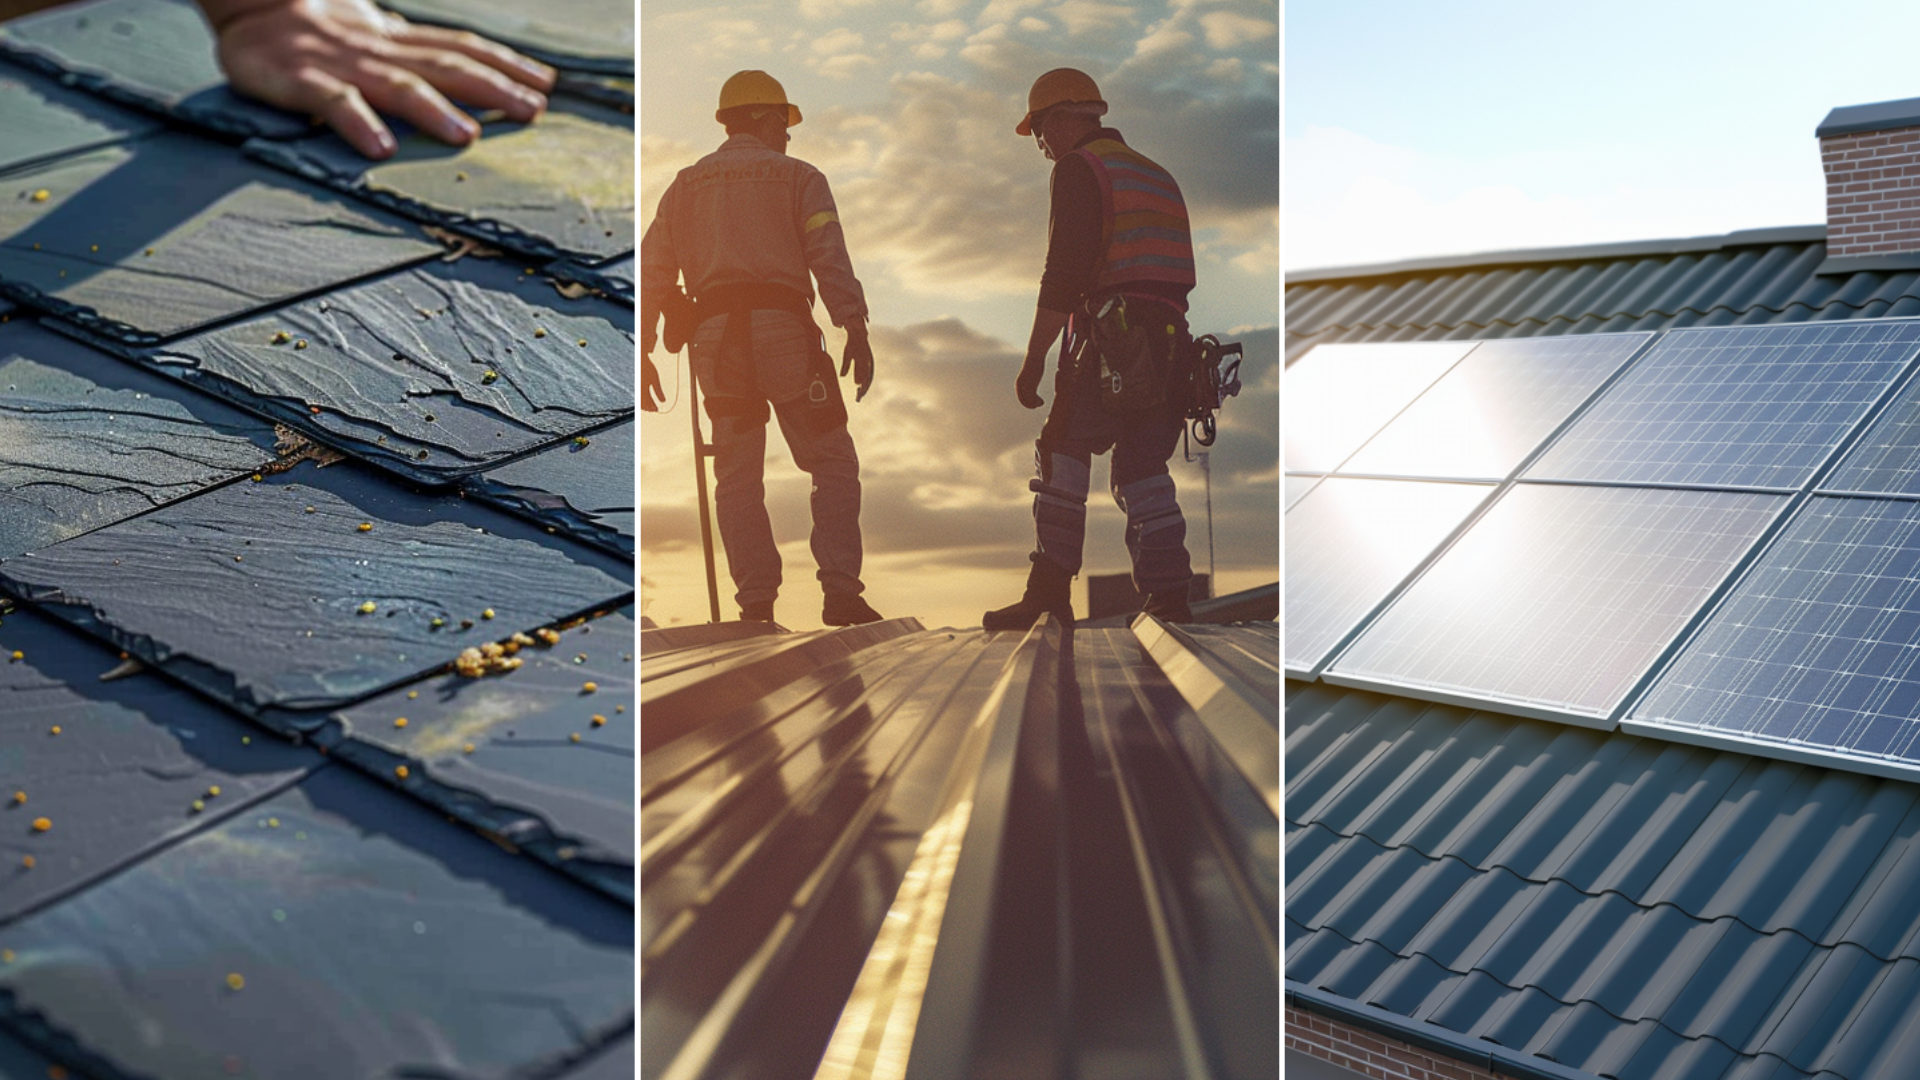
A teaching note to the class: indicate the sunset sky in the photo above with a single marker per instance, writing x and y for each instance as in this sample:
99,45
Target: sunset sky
909,109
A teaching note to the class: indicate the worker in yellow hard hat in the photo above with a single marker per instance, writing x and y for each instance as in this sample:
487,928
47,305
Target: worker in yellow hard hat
1119,268
750,230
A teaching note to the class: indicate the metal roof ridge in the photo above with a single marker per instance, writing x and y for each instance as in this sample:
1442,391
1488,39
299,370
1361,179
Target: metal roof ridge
1786,234
1674,314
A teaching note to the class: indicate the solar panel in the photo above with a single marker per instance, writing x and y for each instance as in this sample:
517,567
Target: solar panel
1887,458
1349,543
1337,396
1818,646
1297,488
1559,599
1483,418
1760,406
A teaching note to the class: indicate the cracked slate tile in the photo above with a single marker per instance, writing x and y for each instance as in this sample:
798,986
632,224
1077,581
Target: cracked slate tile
271,595
332,930
159,236
151,54
613,277
574,35
87,440
562,185
525,741
585,490
120,778
41,119
397,369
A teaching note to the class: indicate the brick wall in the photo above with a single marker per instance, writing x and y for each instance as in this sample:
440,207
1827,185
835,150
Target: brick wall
1873,192
1369,1054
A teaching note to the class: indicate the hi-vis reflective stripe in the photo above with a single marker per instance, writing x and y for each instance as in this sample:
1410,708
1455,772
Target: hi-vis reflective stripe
1148,234
821,220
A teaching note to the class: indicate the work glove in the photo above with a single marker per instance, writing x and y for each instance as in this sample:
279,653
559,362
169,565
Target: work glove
858,358
652,396
1027,385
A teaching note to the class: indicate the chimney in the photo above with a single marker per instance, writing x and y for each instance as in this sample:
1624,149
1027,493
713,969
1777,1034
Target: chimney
1871,155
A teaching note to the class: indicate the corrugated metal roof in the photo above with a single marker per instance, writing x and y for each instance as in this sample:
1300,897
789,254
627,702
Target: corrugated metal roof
894,851
1626,906
1595,291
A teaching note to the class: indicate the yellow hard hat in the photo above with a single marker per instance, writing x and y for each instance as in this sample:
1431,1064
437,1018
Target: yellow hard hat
1057,87
755,88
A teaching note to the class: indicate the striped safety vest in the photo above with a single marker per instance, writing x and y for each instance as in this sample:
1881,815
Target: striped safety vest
1144,218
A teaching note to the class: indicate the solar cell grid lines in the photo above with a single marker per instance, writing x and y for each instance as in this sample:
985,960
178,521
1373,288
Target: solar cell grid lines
1484,417
1819,645
1559,599
1760,407
1349,543
1887,458
1337,396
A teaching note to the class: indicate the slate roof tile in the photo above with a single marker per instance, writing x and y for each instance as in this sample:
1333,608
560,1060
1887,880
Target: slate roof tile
40,119
576,35
585,490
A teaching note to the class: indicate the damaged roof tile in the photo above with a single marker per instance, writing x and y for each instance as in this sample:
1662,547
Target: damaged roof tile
585,490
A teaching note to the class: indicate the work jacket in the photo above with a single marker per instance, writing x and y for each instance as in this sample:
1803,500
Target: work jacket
748,215
1118,224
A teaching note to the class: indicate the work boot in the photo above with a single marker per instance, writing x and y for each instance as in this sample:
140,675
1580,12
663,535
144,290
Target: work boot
847,609
1169,607
761,611
1049,590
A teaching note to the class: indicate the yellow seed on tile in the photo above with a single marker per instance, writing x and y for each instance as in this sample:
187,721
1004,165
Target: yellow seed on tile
460,177
42,196
309,509
487,614
619,708
400,721
96,247
18,656
575,736
246,740
237,558
55,729
581,440
598,720
412,694
488,378
257,478
19,798
538,331
149,251
367,608
467,749
41,824
301,344
400,771
365,526
281,337
198,806
213,792
437,622
589,687
273,823
235,981
26,861
583,343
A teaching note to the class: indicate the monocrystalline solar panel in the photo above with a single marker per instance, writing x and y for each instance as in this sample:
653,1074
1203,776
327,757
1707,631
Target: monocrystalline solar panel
1887,458
1759,406
1559,599
1349,543
1494,408
1337,396
1819,644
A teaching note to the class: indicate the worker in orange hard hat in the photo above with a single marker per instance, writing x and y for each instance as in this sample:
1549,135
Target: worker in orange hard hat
751,230
1119,268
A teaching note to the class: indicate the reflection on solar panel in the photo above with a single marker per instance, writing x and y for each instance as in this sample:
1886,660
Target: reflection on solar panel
1337,396
1350,543
1483,418
1298,486
1819,645
1559,599
1887,458
1737,406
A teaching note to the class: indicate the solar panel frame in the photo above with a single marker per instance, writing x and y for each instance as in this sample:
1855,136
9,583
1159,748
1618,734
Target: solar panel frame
1327,376
1863,383
1297,488
1356,597
1776,568
1558,376
1763,513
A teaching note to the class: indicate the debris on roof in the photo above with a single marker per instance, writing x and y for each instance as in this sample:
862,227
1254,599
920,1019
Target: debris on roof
982,853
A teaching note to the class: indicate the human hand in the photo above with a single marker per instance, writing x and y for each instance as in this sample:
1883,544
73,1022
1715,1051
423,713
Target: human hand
652,396
858,358
341,60
1026,386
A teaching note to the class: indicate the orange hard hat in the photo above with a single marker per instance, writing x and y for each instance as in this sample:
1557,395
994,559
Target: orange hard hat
1058,87
755,88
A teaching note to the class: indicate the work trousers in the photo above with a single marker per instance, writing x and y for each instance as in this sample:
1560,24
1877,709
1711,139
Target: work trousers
1080,426
739,387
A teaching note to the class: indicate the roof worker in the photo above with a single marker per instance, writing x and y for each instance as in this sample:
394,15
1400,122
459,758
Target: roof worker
347,61
746,226
1119,242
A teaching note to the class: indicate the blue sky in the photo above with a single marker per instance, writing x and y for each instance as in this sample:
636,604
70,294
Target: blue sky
1423,129
909,110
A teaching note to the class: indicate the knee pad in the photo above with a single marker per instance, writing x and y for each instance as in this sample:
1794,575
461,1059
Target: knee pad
1150,504
1060,476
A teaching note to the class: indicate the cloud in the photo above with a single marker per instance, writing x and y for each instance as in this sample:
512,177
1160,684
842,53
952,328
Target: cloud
835,42
1035,26
827,9
999,11
1230,29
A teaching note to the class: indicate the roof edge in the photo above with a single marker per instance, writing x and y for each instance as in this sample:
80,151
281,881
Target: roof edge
1878,116
1787,234
1489,1055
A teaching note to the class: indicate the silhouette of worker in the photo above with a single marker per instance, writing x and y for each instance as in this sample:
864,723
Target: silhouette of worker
1119,267
347,62
746,226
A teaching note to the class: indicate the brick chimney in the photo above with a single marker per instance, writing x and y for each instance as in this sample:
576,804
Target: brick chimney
1871,155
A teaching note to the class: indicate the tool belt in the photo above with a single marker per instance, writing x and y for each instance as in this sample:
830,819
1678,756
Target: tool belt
1130,351
825,407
